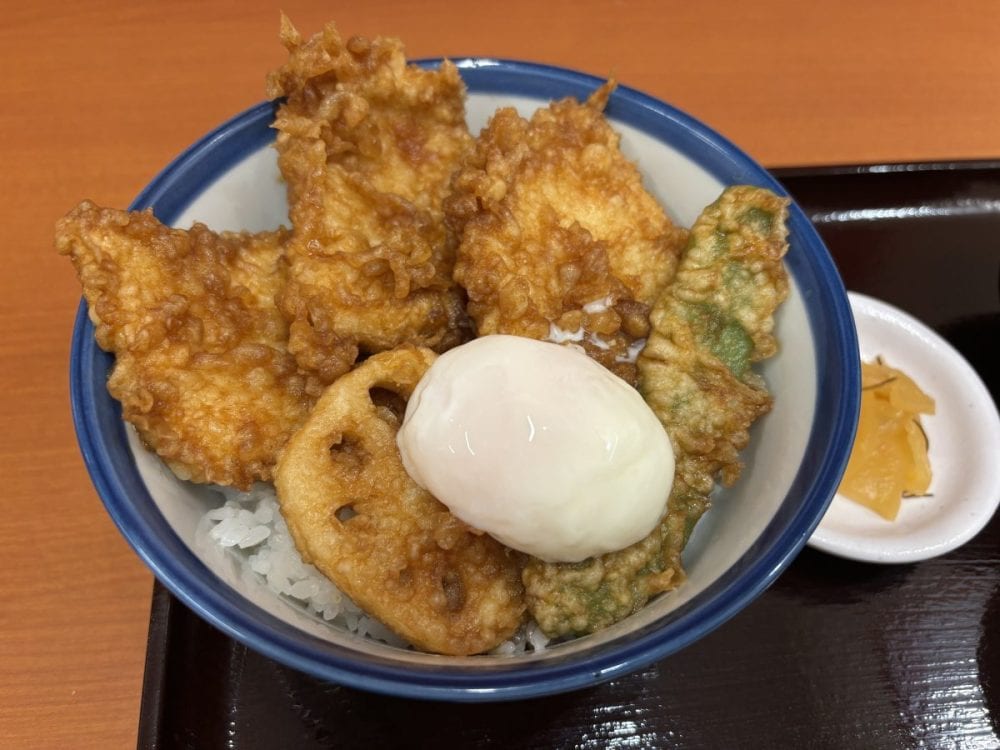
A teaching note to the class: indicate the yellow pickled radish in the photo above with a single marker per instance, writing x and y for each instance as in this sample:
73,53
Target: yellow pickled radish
889,459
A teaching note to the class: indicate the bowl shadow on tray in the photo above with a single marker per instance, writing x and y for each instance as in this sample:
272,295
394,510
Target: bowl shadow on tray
820,578
331,712
271,705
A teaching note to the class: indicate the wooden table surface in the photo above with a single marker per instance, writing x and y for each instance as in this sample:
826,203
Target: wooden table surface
98,96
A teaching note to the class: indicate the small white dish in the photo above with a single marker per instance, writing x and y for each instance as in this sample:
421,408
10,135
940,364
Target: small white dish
964,438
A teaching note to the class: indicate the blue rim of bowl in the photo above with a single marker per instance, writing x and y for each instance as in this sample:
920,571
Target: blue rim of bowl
103,444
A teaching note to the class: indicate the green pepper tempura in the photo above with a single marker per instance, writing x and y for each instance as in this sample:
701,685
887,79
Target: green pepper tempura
707,327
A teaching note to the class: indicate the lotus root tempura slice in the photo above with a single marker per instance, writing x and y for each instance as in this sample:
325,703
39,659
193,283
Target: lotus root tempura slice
387,543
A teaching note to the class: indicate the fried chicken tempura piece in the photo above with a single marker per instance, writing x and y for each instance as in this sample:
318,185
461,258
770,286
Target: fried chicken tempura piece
367,146
201,366
711,323
387,543
559,239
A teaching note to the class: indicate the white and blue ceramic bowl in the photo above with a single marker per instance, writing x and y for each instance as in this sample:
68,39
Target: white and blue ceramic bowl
229,180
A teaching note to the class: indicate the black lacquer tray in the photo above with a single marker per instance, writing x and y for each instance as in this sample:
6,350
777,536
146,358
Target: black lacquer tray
836,654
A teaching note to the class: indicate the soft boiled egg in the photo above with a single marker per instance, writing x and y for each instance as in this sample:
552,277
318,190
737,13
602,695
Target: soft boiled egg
539,446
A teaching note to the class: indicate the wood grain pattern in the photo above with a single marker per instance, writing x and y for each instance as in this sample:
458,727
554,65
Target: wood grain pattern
98,96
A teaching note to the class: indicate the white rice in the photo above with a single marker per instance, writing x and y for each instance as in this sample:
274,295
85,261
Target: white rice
249,530
597,306
559,335
634,350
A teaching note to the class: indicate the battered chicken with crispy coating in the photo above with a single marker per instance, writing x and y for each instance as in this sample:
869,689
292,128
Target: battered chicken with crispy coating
367,145
558,238
711,323
201,367
356,515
